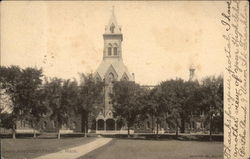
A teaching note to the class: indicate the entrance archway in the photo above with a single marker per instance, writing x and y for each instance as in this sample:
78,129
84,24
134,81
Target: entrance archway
110,124
100,124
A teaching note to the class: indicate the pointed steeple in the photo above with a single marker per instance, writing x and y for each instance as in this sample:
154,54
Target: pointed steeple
112,39
112,27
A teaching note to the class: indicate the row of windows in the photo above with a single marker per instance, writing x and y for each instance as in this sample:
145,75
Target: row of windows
115,52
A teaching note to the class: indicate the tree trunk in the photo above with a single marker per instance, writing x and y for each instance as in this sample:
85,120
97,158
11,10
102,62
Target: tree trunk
182,125
152,124
85,129
128,131
82,122
157,128
35,126
59,134
34,130
13,132
210,129
176,131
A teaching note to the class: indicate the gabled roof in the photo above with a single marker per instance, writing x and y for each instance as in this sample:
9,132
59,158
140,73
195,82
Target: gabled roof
100,116
97,76
112,70
117,65
124,76
109,115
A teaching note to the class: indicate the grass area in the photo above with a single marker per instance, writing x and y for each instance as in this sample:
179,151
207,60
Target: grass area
30,148
157,149
172,136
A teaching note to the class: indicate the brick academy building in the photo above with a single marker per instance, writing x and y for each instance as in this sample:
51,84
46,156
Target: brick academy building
112,68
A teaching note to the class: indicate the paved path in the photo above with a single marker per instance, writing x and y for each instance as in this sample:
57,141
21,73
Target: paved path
75,152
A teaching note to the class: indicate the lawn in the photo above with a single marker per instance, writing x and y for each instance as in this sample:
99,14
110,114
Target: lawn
30,148
153,149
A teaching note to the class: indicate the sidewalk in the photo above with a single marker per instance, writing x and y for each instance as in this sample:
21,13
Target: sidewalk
78,151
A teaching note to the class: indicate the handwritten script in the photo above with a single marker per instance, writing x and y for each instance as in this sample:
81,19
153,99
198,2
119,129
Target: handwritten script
234,20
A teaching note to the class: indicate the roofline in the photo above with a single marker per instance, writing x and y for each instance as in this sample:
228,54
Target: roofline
113,35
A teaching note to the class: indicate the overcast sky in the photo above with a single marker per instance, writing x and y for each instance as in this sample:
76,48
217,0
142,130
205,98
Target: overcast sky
160,39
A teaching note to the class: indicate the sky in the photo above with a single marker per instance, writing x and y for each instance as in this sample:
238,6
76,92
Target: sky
161,40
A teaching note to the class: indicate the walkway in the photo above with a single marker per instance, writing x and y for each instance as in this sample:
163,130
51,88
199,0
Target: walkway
75,152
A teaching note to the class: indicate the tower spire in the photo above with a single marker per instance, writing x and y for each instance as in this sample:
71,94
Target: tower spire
112,38
192,75
112,26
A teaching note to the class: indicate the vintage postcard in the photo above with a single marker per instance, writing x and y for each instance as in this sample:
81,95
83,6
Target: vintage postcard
124,79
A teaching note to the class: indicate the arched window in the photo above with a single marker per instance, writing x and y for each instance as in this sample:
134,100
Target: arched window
115,50
111,77
109,50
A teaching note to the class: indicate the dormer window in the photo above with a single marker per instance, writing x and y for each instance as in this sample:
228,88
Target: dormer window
112,28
